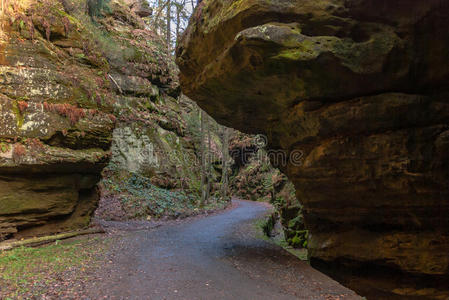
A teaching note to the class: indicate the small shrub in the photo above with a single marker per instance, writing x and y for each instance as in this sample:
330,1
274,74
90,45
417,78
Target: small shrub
35,144
299,240
4,147
23,105
73,113
18,152
113,118
268,226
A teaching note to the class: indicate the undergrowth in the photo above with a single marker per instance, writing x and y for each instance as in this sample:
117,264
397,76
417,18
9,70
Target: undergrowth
141,199
27,273
267,225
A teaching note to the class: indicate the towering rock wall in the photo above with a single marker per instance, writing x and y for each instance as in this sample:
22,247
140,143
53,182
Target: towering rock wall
65,66
360,88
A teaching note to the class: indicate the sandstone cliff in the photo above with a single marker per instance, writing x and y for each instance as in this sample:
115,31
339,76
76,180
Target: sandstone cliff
64,68
360,88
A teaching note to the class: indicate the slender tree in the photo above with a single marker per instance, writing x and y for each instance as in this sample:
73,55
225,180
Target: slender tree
209,158
224,166
179,9
169,19
157,16
168,26
203,159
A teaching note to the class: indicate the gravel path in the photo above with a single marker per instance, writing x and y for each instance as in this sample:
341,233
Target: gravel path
214,257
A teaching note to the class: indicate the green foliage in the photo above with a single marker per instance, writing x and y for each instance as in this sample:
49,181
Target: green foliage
265,167
296,242
140,198
269,224
4,147
156,201
268,182
299,240
300,252
279,201
296,222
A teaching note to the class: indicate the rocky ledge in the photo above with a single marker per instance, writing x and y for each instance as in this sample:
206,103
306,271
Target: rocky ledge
360,88
64,66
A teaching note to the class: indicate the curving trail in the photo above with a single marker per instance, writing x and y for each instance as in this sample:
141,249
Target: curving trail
215,257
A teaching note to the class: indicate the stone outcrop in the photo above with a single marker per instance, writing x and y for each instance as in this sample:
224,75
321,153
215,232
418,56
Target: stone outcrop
254,178
141,8
62,73
359,89
159,140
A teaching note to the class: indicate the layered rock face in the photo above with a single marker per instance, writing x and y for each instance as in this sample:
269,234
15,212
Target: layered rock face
156,140
61,76
359,88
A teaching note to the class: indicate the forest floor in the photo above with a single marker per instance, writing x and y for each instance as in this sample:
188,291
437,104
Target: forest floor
215,256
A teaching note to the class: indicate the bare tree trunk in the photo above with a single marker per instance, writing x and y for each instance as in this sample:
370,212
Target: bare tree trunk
157,23
203,160
35,241
3,13
224,170
168,26
157,15
178,21
209,159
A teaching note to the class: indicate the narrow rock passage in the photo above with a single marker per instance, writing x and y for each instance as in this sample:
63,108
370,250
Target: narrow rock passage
216,257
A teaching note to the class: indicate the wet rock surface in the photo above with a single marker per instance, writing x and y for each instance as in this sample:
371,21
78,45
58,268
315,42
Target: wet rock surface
360,89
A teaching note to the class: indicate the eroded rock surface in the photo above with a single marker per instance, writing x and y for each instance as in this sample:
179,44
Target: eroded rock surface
360,87
64,65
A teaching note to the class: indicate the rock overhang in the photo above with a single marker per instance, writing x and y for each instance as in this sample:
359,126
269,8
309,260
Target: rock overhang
361,88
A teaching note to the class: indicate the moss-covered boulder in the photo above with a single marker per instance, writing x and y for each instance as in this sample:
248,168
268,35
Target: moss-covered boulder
358,91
